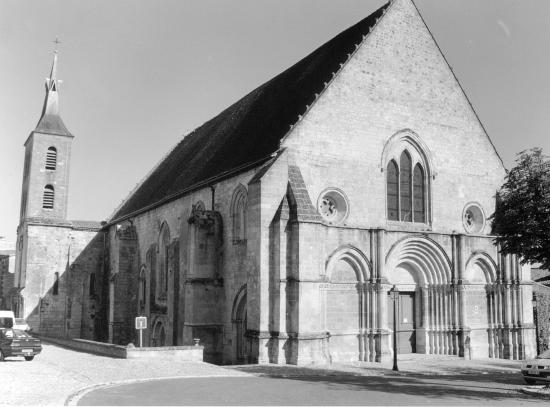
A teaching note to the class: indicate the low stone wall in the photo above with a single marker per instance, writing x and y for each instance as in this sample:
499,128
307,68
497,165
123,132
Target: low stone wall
180,353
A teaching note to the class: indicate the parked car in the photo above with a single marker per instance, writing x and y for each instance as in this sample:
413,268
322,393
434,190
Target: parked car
20,324
538,369
7,319
15,342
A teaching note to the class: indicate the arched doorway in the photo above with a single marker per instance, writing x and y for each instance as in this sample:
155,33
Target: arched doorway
426,308
345,303
239,327
483,304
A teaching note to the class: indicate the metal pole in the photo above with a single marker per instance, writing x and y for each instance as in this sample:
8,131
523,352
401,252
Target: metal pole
394,336
140,338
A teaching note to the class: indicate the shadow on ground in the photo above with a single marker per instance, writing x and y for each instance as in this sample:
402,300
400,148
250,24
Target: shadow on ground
463,383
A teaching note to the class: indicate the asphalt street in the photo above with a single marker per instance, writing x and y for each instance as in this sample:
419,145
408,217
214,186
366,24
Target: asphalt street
344,389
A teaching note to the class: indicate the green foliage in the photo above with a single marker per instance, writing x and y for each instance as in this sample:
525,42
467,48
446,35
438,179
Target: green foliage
522,215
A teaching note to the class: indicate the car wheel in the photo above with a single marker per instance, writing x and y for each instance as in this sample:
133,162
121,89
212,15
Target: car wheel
29,358
529,381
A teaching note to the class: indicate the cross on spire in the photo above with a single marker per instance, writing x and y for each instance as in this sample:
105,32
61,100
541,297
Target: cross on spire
57,42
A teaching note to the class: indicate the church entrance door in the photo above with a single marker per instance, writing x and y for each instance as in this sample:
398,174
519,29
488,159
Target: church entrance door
406,324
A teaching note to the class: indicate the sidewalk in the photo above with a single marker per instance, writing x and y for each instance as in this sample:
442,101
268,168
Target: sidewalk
57,373
409,364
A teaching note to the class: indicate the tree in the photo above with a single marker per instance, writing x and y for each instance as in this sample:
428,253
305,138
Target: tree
521,221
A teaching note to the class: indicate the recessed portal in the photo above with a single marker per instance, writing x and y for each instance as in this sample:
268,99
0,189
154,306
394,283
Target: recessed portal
406,322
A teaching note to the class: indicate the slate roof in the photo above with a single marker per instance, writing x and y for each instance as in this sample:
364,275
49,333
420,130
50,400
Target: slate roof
250,130
52,124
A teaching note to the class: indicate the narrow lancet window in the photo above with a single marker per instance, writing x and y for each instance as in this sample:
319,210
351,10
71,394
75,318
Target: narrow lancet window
419,201
393,191
405,192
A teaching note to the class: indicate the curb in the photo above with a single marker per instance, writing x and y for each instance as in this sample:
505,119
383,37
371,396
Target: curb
74,398
541,391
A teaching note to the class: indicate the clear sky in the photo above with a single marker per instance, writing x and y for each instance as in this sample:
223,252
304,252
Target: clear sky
139,74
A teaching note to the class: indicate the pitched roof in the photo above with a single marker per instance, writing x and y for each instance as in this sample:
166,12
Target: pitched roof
250,130
52,124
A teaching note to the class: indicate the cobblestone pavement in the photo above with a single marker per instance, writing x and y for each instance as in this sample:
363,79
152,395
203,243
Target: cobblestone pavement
57,373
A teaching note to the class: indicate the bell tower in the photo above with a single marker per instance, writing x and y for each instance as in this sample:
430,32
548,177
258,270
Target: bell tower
47,156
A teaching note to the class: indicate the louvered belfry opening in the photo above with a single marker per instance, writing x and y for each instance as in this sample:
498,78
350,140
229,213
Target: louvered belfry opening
47,201
51,158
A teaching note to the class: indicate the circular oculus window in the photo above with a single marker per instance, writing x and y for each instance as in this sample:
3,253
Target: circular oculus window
333,206
473,218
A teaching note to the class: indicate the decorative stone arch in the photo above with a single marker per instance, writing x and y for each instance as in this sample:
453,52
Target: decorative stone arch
345,311
407,143
355,258
485,263
238,213
239,321
403,139
426,257
421,270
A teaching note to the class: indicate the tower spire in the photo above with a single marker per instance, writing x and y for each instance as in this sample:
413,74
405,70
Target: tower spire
50,121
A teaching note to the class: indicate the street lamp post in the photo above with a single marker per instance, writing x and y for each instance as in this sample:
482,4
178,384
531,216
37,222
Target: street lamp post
394,295
536,318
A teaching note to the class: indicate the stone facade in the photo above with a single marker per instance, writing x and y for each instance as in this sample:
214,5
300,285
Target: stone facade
385,181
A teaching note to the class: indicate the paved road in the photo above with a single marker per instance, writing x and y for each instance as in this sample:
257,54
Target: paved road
57,373
341,389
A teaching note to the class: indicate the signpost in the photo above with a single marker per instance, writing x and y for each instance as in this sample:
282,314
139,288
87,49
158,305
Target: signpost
141,324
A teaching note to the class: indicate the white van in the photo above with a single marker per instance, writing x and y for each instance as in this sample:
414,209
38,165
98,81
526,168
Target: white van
7,319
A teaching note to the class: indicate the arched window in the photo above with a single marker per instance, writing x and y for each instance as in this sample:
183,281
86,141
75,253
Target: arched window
238,214
405,193
406,189
48,198
419,199
51,158
142,294
164,245
55,289
393,191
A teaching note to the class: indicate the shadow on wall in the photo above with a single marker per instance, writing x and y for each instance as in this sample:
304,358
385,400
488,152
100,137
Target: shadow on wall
76,305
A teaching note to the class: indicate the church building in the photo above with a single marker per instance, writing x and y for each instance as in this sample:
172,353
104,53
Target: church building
277,230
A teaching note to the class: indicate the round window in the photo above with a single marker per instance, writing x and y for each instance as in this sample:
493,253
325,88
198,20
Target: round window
473,218
333,206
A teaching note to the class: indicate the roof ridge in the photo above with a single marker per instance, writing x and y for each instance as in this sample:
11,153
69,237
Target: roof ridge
457,81
249,129
335,74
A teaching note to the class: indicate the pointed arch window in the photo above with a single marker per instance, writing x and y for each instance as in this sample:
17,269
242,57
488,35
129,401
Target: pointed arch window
393,191
405,193
164,265
419,196
48,197
238,214
51,158
406,189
